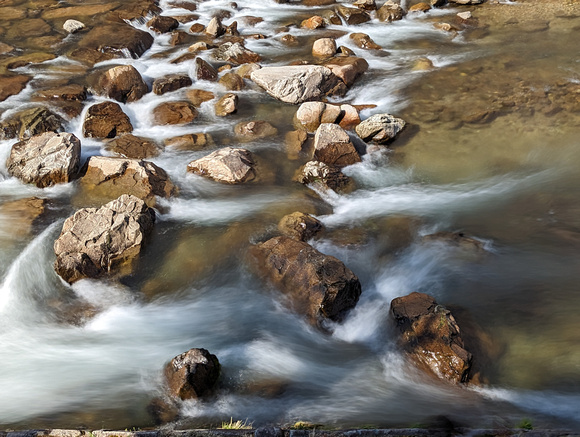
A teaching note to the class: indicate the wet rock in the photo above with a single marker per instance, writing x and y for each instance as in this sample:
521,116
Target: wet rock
196,141
317,285
289,40
197,97
332,146
227,105
353,15
96,242
130,146
318,2
295,141
456,239
162,411
12,85
106,120
246,70
171,82
364,41
423,64
254,130
27,59
232,82
420,7
31,122
215,29
297,83
46,159
161,24
314,22
76,93
390,11
31,27
136,10
324,47
192,374
196,28
73,26
199,46
431,337
174,113
5,49
350,117
108,178
11,13
299,226
179,37
348,69
367,5
466,2
205,71
311,114
227,165
235,53
322,175
380,128
22,214
122,83
89,10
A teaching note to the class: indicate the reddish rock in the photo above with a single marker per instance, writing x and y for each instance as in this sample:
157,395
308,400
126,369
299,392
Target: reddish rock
314,22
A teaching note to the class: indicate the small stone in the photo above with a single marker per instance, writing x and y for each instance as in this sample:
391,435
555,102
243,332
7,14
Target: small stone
464,15
228,165
380,128
324,47
227,105
235,53
73,26
196,28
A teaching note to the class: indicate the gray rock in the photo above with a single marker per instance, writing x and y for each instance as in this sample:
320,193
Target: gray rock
380,128
192,374
322,175
227,165
235,53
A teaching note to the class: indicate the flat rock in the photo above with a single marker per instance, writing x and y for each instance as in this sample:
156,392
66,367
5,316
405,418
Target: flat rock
12,85
97,242
179,112
196,141
228,165
197,96
235,53
130,146
192,374
171,82
162,24
21,215
380,128
106,120
299,226
332,146
73,92
46,159
122,83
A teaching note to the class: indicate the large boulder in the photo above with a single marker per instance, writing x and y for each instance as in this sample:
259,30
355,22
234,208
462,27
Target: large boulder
192,374
46,159
431,337
108,178
122,83
227,165
323,176
317,285
106,120
332,146
380,128
296,83
96,242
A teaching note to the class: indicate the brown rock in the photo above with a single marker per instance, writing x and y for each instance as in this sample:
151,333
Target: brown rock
6,48
350,117
420,7
179,37
324,47
353,15
215,29
367,5
77,93
199,46
190,142
390,11
299,226
227,105
232,82
332,146
348,69
227,165
174,113
311,114
235,53
295,141
12,85
21,215
171,82
106,120
192,374
456,239
31,122
289,40
364,41
130,146
253,130
27,59
322,175
314,22
29,27
245,71
77,11
122,83
197,97
161,24
196,28
205,71
136,10
317,285
431,337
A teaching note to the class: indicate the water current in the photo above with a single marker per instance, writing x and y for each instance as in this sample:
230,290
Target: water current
510,180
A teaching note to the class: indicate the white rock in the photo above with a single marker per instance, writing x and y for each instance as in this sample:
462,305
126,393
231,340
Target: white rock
73,26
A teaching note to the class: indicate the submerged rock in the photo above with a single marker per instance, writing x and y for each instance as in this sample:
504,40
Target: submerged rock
21,215
299,226
97,242
253,130
46,159
162,24
227,165
318,286
380,128
12,85
192,374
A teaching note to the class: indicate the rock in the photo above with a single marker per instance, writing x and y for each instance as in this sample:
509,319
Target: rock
130,146
199,46
235,53
311,114
296,83
314,22
227,105
299,226
122,83
380,128
420,7
466,2
29,27
178,112
106,120
331,17
179,37
5,49
205,71
350,117
46,159
96,242
295,141
367,5
232,82
253,130
423,64
322,175
245,71
227,165
190,141
108,178
76,93
324,47
317,285
12,85
364,41
390,11
196,28
456,239
136,10
332,146
431,337
161,24
21,215
31,122
197,97
289,40
215,28
353,15
464,15
348,69
171,82
192,374
73,26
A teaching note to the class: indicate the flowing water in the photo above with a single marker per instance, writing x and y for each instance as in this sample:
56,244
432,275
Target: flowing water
91,354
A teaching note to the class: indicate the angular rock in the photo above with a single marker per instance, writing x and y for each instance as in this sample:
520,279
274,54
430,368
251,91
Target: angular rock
12,85
348,69
227,165
192,374
232,82
390,11
161,24
296,83
380,128
190,141
95,242
235,53
353,15
197,97
322,175
253,130
106,120
367,5
205,71
109,177
46,159
122,83
324,47
431,337
364,41
299,226
171,82
332,146
227,105
174,113
31,122
215,28
130,146
350,117
314,22
179,37
73,26
318,286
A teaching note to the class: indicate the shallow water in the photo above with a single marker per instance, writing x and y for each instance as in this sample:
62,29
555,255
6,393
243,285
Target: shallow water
511,182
